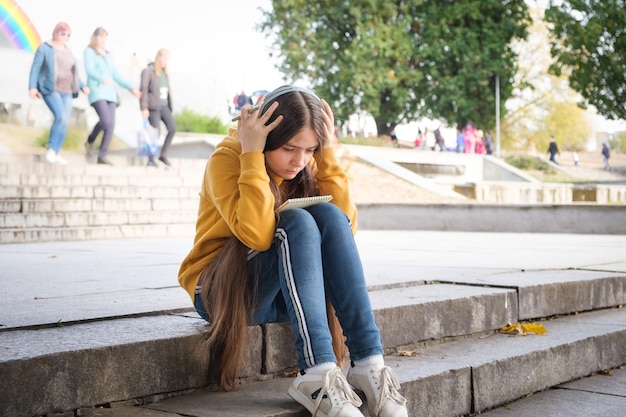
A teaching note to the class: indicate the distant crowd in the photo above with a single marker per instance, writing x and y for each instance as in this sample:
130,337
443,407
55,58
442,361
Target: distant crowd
468,140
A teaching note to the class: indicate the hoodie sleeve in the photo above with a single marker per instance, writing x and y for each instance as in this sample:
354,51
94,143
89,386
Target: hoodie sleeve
238,185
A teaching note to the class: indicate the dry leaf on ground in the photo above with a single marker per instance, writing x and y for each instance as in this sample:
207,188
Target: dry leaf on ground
522,329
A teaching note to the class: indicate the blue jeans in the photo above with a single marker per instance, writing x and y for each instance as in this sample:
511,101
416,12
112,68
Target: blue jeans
60,104
314,255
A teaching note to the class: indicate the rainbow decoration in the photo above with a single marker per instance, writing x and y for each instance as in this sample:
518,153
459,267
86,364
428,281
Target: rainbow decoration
17,27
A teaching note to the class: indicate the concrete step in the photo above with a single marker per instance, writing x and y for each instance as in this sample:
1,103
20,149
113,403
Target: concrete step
100,205
122,231
154,358
43,202
78,161
450,380
133,191
461,365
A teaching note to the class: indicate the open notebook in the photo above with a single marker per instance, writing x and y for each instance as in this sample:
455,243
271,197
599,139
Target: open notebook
304,202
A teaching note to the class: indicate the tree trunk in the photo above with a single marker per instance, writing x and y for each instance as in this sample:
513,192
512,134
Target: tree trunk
384,127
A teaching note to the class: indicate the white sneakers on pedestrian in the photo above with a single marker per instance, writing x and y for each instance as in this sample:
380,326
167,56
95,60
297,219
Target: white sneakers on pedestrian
381,390
53,158
326,395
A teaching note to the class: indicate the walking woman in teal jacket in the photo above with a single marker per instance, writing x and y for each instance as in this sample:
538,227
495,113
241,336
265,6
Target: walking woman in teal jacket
101,78
53,76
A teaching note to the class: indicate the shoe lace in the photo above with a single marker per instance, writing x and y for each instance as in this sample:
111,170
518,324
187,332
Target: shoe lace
389,386
336,387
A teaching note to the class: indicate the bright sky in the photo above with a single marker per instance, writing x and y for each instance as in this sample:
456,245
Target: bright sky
219,49
220,42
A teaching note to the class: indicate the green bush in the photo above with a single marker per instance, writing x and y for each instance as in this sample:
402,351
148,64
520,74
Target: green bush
190,121
529,163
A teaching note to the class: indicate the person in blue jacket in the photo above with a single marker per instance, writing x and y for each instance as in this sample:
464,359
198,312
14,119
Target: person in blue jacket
102,75
53,77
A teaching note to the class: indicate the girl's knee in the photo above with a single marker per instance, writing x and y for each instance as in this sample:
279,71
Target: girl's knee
296,216
327,213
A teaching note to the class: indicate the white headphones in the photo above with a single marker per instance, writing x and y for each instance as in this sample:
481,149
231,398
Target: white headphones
284,90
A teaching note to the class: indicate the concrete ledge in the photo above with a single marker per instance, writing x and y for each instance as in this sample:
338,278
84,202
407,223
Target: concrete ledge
399,314
504,368
82,365
419,313
599,395
566,218
551,293
55,234
457,378
67,368
70,367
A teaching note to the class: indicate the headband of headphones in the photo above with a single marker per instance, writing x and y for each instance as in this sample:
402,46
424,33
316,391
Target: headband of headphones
284,90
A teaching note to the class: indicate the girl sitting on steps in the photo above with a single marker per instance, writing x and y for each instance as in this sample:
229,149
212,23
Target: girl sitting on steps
251,264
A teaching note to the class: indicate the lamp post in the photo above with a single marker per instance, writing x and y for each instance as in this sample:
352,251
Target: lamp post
497,115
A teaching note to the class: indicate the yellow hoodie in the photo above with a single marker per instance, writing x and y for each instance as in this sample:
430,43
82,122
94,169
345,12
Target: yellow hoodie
235,199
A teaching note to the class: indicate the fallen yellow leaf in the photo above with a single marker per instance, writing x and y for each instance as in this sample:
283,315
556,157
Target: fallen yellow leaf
523,329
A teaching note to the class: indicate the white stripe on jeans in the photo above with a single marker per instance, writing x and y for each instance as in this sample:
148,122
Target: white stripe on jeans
295,299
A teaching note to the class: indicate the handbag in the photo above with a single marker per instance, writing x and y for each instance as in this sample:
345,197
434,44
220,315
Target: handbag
148,140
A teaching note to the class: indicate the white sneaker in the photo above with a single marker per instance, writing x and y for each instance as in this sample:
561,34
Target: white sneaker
61,160
326,395
380,389
51,156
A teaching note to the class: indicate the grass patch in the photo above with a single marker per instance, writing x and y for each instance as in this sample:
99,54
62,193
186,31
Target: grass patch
371,141
75,139
555,176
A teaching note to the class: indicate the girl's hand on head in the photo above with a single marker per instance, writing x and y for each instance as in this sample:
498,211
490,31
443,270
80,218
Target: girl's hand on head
251,128
329,123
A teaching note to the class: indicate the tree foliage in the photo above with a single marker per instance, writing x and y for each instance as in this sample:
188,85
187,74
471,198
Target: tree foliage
465,45
590,47
567,123
541,105
400,60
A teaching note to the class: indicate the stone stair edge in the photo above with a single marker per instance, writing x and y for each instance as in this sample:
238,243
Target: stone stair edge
87,180
55,206
79,161
97,218
128,231
449,385
117,192
456,378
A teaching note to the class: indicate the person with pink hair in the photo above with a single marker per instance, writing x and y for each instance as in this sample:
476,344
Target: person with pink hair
54,77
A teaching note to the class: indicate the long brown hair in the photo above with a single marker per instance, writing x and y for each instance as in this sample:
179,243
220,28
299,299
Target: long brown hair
93,41
228,307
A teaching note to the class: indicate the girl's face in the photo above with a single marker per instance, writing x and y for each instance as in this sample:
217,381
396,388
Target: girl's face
291,158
